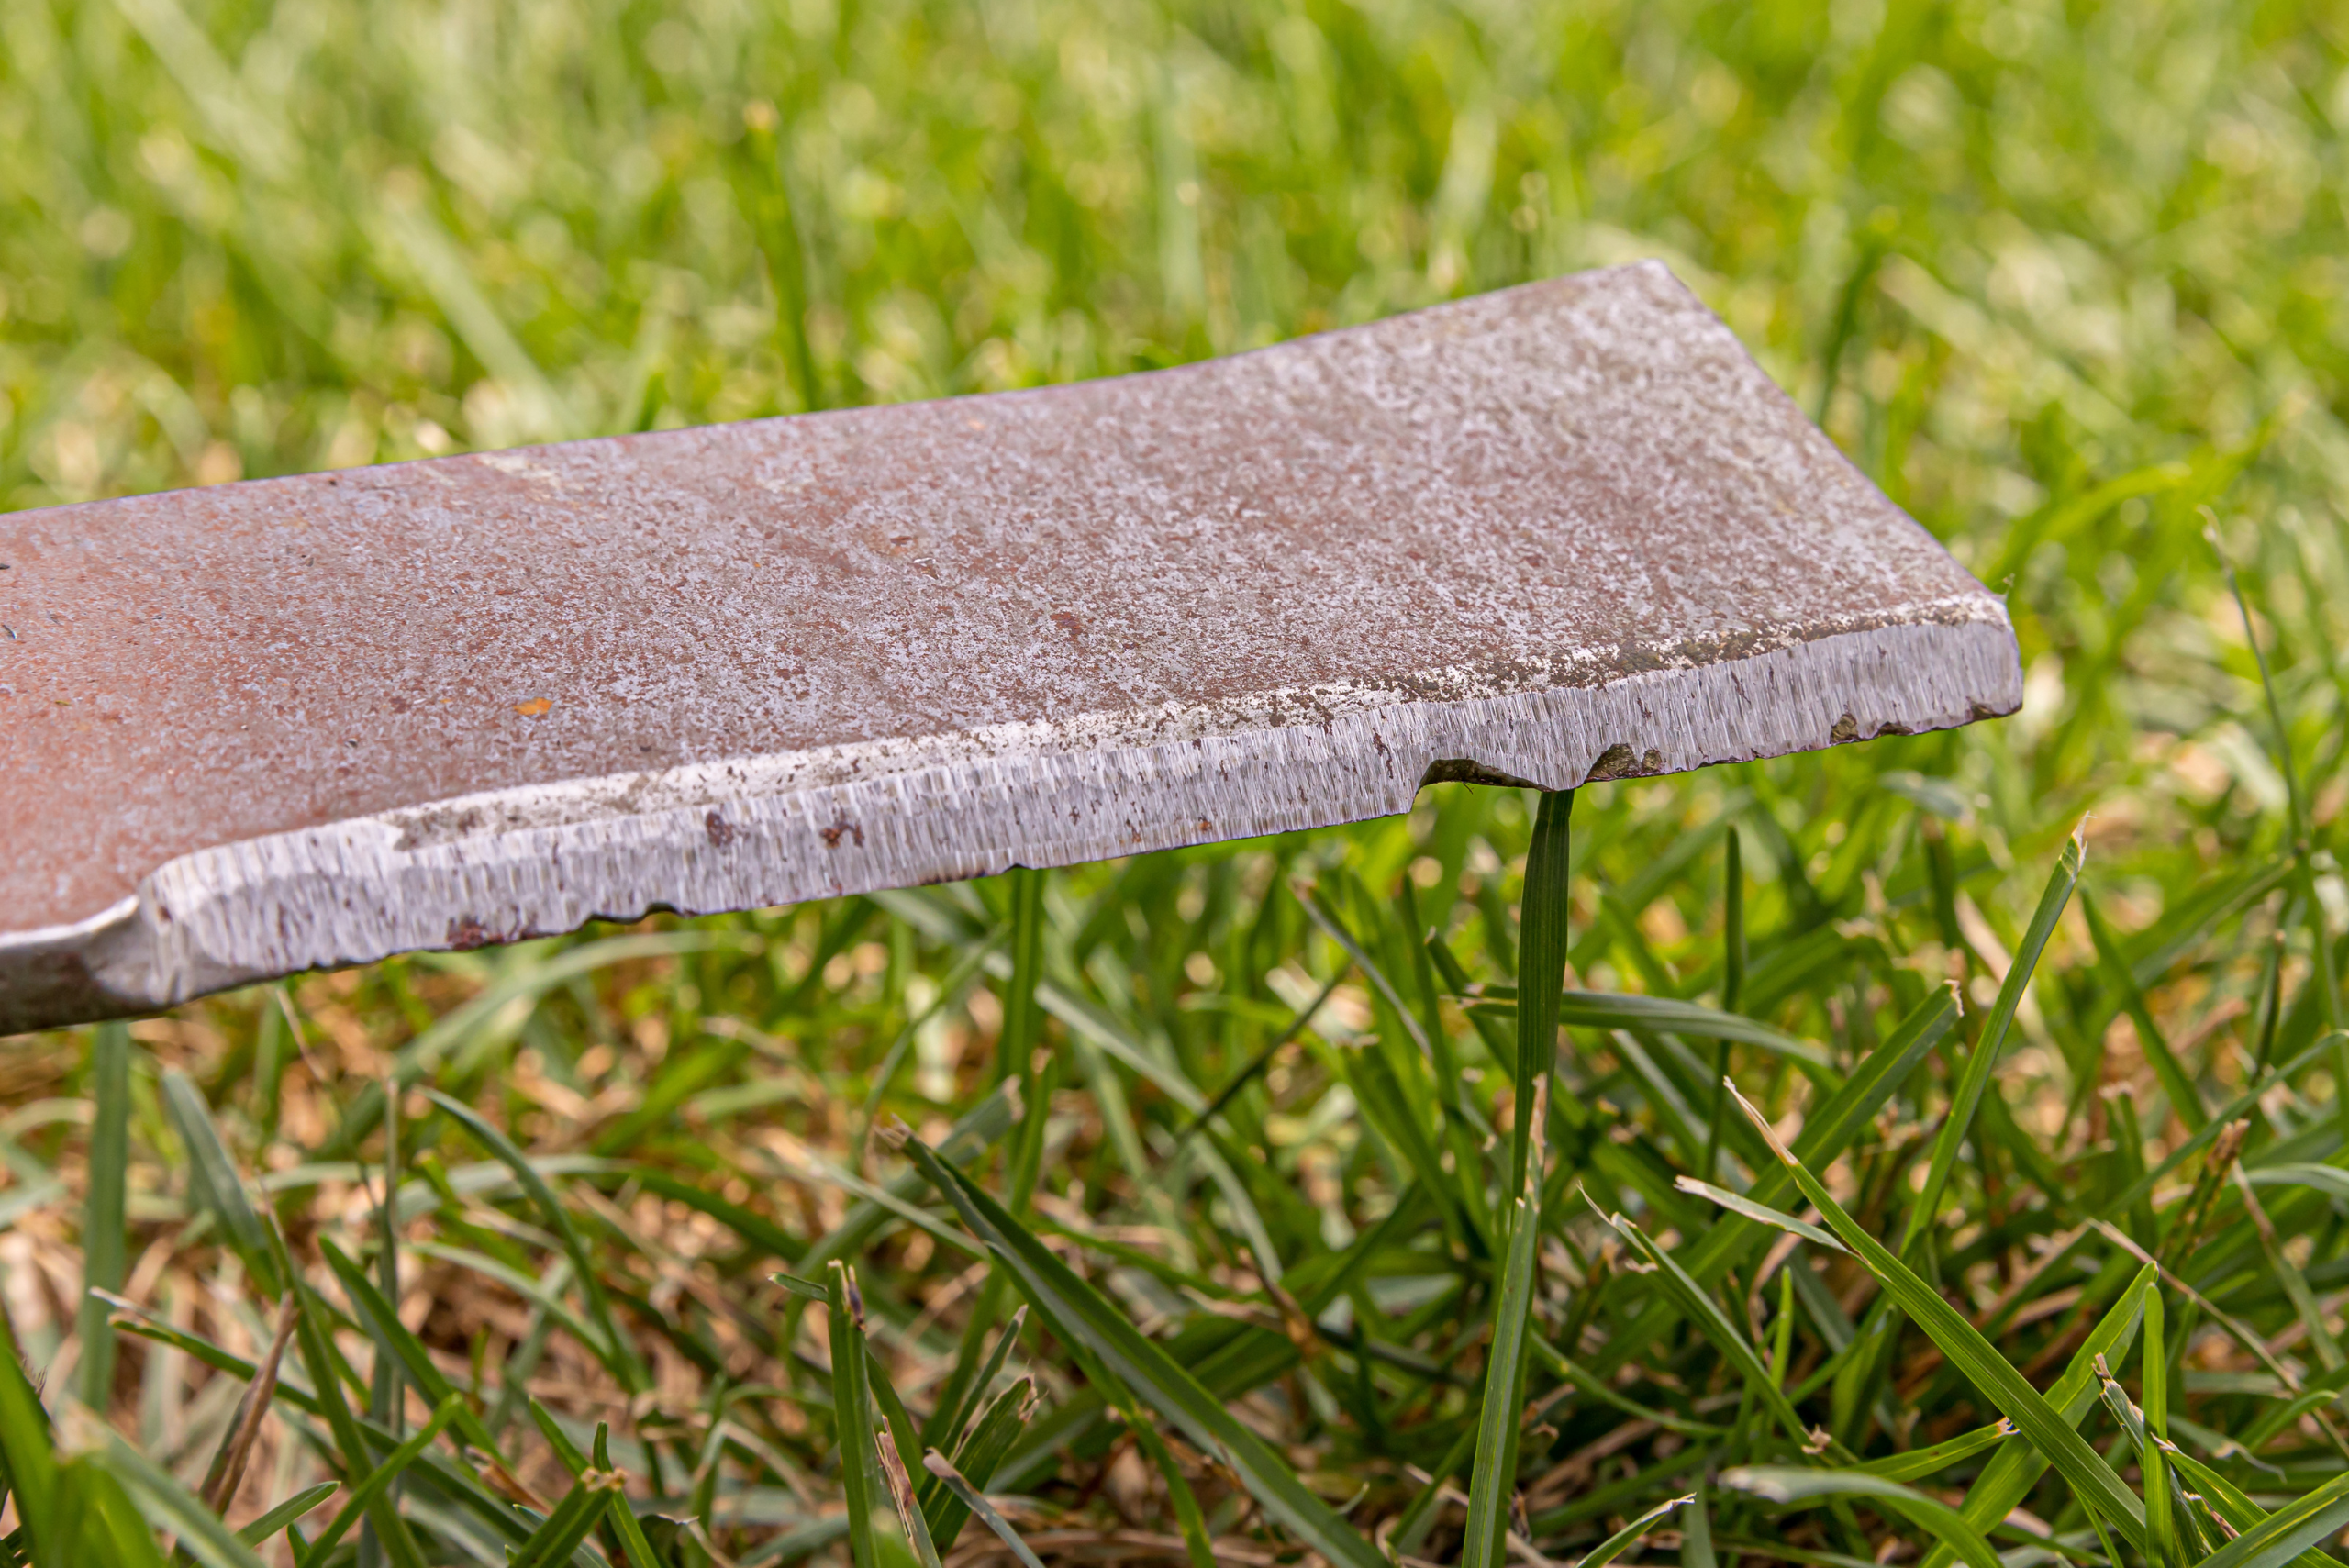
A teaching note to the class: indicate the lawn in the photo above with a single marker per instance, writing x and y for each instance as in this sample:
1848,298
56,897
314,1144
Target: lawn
687,1244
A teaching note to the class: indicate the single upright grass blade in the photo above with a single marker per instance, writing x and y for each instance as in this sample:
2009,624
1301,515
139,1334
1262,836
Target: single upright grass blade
1542,939
102,1215
2152,1353
853,1414
1022,1026
1732,988
1696,1529
1493,1480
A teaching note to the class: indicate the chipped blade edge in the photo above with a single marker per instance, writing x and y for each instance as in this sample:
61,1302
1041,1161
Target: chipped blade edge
361,890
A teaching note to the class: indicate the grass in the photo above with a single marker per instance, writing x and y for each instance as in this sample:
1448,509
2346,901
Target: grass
665,1246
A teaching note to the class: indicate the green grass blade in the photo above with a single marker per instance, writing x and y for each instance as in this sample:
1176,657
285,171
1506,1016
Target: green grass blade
1619,1010
1696,1525
557,1439
394,1341
2331,1180
25,1444
970,1497
378,1482
205,1353
2230,1502
213,1181
1782,1484
620,1514
1189,1522
891,1409
2161,1526
900,1487
171,1505
326,1382
1762,1213
2089,1477
285,1513
1493,1480
1022,1027
1825,1136
1623,1541
2291,1529
114,1529
102,1217
1542,939
1985,1059
1732,990
805,1290
853,1414
570,1522
2183,1096
947,1421
1713,1323
1077,1312
624,1362
997,1427
1920,1463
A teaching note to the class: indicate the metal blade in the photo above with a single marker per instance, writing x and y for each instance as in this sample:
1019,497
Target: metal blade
1562,532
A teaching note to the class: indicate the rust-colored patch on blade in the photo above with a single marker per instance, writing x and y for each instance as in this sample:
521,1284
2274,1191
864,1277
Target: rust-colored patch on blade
1586,475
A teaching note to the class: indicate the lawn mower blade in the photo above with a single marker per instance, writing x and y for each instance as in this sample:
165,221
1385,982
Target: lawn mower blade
1564,532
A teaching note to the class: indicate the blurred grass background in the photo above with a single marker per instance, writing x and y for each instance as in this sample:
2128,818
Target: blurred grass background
2064,279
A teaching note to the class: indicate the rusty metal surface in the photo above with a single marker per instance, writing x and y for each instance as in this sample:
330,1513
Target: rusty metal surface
1563,529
